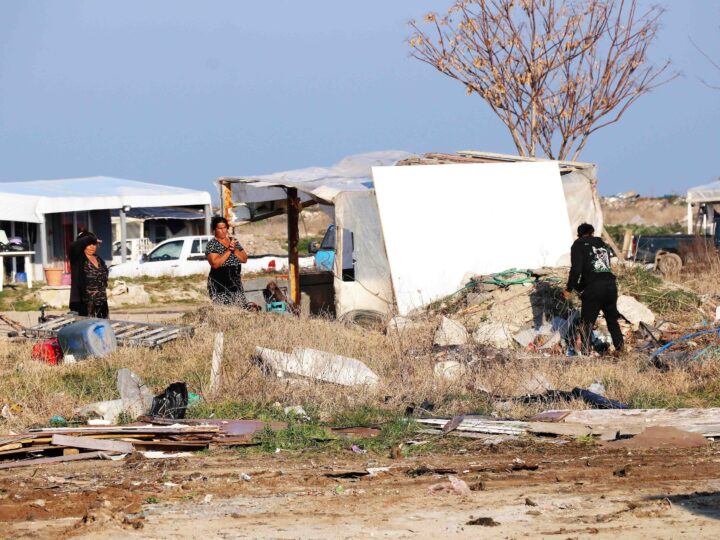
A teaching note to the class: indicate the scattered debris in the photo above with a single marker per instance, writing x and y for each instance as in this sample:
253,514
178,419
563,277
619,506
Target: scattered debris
320,365
484,521
454,485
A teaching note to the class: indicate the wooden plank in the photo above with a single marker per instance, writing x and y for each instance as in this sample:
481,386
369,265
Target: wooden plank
550,416
51,460
87,443
481,426
647,416
107,430
11,446
28,450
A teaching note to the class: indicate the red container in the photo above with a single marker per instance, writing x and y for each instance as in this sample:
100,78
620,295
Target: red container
48,351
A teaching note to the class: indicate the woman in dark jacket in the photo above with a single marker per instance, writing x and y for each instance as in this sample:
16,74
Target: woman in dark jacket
225,255
89,278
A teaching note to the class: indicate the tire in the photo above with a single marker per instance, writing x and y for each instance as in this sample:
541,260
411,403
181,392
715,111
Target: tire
669,264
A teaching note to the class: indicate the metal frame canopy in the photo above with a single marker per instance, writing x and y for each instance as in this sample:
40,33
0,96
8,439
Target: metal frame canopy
288,192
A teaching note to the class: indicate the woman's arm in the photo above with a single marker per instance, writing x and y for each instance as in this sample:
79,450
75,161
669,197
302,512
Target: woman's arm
216,260
241,254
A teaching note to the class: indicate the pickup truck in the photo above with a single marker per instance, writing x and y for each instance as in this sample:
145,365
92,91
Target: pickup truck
185,256
669,252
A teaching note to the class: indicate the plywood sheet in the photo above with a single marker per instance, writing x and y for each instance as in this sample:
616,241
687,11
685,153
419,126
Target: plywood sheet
444,222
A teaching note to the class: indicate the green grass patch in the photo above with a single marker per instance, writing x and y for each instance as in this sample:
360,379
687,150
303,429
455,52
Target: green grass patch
98,384
649,289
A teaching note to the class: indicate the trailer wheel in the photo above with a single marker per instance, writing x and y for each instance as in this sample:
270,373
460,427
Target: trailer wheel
669,264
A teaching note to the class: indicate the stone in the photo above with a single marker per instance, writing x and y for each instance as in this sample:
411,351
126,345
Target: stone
495,334
56,297
536,383
634,311
450,369
401,324
450,333
479,298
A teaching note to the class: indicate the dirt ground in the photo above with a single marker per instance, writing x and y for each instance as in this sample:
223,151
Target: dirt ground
526,489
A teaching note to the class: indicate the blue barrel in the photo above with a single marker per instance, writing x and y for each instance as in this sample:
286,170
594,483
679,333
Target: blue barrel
89,337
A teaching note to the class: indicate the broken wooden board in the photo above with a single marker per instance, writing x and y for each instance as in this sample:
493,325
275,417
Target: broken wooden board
496,427
634,421
52,460
86,443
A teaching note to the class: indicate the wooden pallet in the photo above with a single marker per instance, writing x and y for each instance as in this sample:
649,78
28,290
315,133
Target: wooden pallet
126,332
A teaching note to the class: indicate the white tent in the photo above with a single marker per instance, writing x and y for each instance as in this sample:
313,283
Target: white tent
30,201
707,194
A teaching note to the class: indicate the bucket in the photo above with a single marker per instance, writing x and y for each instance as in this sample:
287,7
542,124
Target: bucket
65,279
53,276
89,337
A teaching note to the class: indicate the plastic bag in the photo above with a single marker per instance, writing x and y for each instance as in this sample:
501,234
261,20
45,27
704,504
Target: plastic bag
172,403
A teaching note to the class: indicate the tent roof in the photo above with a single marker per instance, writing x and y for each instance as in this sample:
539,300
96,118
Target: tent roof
705,193
323,184
30,200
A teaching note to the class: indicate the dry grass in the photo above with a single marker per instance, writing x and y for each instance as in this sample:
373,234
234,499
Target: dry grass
404,362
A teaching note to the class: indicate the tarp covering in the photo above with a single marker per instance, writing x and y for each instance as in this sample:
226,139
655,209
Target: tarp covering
356,212
29,201
705,193
320,183
470,219
581,198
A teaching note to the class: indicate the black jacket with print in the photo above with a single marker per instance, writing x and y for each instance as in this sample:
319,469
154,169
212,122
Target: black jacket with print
590,262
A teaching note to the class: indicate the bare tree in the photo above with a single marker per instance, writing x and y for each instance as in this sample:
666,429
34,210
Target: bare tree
554,71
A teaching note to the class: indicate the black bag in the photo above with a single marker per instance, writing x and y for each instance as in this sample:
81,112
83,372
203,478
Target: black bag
172,403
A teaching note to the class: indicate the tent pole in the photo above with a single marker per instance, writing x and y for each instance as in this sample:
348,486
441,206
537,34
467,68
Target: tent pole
13,259
208,216
690,218
293,212
43,242
123,235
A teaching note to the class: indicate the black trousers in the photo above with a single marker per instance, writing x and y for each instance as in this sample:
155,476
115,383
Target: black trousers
596,297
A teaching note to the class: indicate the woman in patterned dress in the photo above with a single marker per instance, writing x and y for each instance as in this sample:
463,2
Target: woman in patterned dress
93,290
225,255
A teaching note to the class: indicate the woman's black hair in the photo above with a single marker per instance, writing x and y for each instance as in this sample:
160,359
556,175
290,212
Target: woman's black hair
216,221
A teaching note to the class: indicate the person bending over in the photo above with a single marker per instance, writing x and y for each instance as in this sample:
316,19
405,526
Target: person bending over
592,277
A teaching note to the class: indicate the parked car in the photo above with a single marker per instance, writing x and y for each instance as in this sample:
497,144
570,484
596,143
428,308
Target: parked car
668,252
185,256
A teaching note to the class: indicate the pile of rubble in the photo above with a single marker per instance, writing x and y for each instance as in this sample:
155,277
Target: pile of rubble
522,310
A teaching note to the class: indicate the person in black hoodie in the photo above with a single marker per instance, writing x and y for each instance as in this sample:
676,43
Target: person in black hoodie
592,277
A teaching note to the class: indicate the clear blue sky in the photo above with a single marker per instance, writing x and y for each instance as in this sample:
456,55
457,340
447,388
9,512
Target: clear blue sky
181,92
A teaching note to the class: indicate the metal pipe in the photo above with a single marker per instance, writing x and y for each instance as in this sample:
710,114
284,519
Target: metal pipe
123,235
